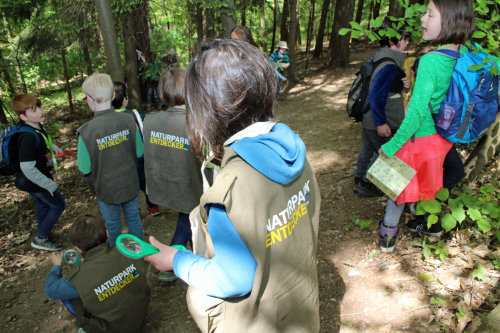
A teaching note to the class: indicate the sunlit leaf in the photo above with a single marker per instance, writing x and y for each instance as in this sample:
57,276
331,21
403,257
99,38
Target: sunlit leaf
458,213
474,214
484,225
478,34
448,222
344,31
443,194
431,206
420,209
432,219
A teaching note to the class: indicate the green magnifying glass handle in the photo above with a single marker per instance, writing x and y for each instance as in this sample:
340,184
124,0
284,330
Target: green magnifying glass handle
134,247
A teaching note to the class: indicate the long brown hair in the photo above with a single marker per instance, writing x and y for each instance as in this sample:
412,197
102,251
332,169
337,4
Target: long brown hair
457,21
229,85
243,33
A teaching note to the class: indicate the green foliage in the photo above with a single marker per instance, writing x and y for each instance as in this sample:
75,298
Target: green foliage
438,250
363,224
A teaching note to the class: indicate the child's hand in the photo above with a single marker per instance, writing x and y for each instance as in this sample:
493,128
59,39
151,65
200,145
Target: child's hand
285,65
56,258
162,261
406,82
381,153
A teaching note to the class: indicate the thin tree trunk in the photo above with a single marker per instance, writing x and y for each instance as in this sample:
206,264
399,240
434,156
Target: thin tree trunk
321,30
66,80
275,23
198,15
284,21
339,45
21,75
227,18
487,148
131,71
359,10
263,31
141,28
86,53
106,22
3,116
310,26
376,8
210,21
243,12
291,40
7,78
370,16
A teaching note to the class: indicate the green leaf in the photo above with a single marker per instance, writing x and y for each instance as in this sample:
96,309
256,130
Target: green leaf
420,209
484,225
448,222
489,207
478,273
431,206
373,37
344,31
475,67
474,214
425,277
494,70
355,25
438,301
454,203
458,214
363,224
478,34
355,34
443,194
426,252
432,219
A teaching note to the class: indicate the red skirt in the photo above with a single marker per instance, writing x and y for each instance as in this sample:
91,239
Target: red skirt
425,155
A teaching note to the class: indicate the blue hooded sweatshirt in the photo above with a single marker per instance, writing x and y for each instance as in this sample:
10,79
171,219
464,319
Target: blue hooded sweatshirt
279,155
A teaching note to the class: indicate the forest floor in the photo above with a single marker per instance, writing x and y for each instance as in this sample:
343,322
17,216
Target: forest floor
361,289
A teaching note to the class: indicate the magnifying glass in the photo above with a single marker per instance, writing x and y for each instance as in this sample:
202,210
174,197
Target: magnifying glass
72,257
135,248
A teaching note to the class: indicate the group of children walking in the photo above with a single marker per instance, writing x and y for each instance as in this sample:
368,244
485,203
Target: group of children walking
253,232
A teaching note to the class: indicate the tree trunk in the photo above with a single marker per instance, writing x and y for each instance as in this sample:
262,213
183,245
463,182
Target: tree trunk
291,40
210,20
227,18
376,8
275,23
131,68
20,69
107,25
197,13
487,148
370,15
3,116
321,30
395,9
310,26
7,78
263,31
66,80
243,12
359,10
284,21
339,45
86,53
141,28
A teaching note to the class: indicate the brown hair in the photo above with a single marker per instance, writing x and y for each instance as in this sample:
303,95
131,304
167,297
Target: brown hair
87,232
457,21
229,85
244,34
171,87
23,102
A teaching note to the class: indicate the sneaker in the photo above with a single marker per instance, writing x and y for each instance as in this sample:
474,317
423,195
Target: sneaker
45,244
167,276
387,243
365,189
155,210
420,225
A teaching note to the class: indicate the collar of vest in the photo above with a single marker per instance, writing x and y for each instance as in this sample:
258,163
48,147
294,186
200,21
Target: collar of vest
176,109
251,131
103,112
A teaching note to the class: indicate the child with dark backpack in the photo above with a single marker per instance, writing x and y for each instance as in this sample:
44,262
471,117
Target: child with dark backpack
449,24
33,176
386,109
106,292
120,102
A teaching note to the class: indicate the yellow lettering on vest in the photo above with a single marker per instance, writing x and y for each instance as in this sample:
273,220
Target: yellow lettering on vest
303,209
268,240
276,236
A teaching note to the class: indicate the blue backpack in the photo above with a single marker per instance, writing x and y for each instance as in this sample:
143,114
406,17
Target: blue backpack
471,103
9,165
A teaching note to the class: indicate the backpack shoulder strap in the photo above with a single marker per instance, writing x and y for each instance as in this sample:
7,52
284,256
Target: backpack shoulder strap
27,129
138,119
448,53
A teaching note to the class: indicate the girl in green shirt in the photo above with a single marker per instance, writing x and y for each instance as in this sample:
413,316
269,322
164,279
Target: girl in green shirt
448,23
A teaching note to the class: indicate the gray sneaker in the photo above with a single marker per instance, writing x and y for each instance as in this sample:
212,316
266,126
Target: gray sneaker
45,244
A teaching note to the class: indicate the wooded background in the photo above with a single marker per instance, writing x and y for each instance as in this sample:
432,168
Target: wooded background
49,45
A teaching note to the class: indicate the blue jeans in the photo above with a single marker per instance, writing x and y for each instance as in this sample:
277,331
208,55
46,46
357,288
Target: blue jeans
112,217
393,213
150,96
368,152
48,209
182,233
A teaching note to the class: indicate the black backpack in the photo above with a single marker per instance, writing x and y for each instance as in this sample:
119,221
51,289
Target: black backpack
357,100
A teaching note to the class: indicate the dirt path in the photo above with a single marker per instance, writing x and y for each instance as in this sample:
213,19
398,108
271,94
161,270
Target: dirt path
360,289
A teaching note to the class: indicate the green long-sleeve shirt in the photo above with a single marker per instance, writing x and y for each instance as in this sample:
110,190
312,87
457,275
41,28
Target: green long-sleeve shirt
83,156
433,81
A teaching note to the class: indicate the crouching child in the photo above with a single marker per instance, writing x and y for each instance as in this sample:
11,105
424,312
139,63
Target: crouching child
107,292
